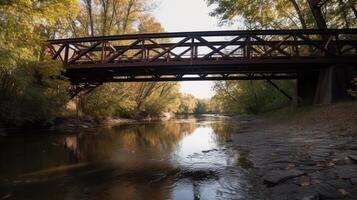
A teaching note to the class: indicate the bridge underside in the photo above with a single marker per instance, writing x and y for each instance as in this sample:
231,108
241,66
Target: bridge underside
186,70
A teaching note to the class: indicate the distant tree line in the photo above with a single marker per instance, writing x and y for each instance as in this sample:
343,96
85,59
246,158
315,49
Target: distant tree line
191,105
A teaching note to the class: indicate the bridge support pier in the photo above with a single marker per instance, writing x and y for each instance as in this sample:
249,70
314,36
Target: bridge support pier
306,87
324,86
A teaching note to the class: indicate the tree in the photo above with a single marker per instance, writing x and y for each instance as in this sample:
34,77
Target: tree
282,14
28,92
203,106
252,97
154,98
258,96
188,104
277,14
111,17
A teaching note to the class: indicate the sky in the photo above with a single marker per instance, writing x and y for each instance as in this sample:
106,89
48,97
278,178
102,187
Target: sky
188,15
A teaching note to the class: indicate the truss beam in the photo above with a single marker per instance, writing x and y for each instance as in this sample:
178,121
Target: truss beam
199,53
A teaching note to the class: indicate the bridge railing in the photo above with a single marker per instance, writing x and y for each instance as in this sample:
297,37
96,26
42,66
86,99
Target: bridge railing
203,47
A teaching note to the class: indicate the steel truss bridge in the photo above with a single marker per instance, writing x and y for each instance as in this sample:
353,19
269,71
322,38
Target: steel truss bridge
211,55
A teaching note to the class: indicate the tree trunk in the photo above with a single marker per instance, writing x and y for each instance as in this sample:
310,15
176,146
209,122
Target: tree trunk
128,12
299,13
105,16
90,13
316,12
114,12
344,13
354,10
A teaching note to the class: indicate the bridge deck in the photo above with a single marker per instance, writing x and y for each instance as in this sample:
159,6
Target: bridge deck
213,55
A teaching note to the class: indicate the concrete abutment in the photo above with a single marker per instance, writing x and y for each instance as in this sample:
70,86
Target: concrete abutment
325,86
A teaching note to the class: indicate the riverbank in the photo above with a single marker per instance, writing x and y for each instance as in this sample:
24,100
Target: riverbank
74,123
71,123
308,154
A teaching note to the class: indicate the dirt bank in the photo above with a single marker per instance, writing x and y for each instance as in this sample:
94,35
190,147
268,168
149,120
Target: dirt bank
74,123
311,154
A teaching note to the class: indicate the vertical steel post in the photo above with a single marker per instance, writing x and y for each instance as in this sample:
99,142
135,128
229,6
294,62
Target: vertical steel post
66,52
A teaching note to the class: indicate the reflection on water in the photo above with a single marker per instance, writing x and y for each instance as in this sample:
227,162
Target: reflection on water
186,158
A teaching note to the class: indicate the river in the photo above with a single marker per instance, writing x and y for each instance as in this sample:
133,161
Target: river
183,158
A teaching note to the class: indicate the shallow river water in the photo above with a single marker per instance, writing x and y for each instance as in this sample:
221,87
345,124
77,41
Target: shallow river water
184,158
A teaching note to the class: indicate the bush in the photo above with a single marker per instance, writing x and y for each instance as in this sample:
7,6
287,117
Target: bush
250,97
29,94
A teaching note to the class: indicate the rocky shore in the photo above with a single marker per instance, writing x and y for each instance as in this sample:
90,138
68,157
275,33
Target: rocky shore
311,155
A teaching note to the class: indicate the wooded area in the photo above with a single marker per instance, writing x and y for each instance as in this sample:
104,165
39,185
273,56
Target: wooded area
260,96
29,93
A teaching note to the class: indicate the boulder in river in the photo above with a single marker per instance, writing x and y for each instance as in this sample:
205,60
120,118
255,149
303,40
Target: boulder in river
275,177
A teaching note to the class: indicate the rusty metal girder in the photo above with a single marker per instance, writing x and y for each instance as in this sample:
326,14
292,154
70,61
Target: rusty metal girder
84,88
216,77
